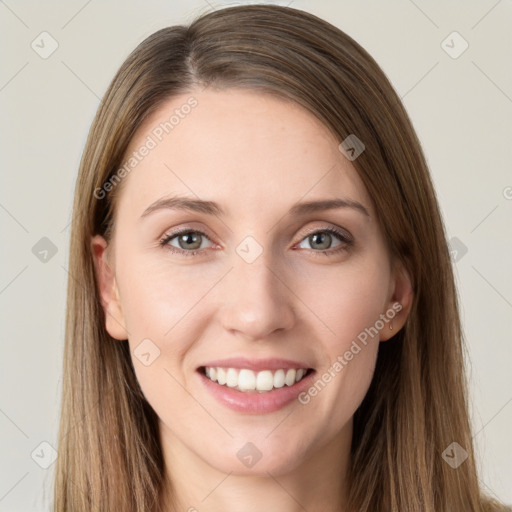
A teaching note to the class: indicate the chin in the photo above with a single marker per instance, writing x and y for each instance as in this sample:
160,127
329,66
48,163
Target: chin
258,457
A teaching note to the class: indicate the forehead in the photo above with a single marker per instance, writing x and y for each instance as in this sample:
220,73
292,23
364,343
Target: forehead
243,149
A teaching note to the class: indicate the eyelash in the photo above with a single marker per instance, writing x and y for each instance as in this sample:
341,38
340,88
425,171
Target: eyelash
346,244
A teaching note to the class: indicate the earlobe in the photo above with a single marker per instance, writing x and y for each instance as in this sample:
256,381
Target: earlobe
400,304
107,287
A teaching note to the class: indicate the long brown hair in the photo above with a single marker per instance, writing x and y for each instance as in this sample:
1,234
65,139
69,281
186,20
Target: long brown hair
109,453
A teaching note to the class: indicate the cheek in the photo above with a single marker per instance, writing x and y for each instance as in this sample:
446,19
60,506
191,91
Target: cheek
157,297
158,307
346,300
347,303
164,308
339,391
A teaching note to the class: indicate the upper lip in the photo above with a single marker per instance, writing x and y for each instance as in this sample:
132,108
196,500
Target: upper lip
256,364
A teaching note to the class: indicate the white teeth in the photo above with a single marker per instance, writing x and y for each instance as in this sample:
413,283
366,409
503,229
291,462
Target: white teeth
221,376
264,380
247,380
290,377
279,379
232,378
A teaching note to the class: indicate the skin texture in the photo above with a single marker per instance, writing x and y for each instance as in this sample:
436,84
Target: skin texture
256,156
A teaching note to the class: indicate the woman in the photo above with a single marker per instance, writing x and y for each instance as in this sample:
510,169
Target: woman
255,368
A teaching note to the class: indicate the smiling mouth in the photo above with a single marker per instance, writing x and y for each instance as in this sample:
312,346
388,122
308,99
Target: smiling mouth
247,381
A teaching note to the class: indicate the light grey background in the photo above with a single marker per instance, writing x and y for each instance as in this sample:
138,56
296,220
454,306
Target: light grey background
461,108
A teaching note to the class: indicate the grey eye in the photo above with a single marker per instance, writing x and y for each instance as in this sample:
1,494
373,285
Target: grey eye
321,240
187,240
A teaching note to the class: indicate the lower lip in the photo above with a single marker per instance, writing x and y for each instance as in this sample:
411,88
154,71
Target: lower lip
252,402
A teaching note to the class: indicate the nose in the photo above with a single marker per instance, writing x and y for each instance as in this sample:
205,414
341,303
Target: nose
257,300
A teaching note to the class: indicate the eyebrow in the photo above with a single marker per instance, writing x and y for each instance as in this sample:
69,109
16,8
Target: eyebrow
212,208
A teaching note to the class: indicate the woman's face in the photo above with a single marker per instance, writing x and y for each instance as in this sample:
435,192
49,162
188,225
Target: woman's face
257,284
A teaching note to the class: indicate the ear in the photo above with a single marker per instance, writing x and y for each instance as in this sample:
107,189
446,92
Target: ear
107,286
400,302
